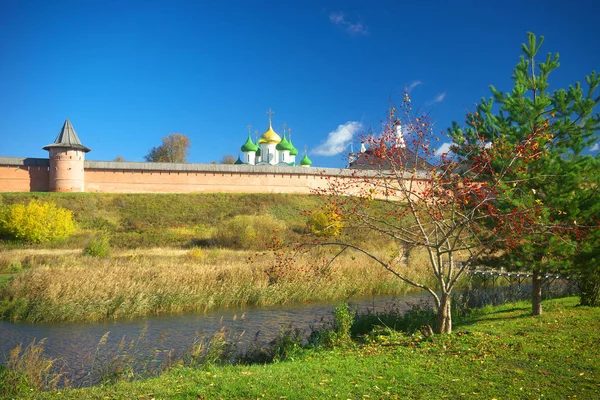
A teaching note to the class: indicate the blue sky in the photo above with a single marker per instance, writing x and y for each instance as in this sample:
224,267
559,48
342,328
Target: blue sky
127,73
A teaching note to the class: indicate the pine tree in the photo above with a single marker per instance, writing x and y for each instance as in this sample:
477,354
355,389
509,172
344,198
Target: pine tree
586,263
555,199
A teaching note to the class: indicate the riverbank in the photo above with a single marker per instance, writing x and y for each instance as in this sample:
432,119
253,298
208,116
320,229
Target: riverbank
161,254
499,352
66,286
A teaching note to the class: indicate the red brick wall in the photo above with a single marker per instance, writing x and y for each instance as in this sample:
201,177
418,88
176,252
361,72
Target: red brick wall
16,176
123,181
23,179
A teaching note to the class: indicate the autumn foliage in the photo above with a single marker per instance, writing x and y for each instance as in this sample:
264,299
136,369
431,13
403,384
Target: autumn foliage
449,205
36,222
174,149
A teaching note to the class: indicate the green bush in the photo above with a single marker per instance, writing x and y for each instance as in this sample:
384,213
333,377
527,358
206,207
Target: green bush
336,332
287,345
249,232
98,247
36,222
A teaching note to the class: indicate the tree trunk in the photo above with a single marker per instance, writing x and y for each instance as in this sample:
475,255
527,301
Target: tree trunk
536,292
444,315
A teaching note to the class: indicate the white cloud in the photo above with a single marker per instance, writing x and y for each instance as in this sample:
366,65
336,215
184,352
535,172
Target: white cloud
353,28
338,140
444,148
440,97
595,147
357,29
337,18
413,85
437,99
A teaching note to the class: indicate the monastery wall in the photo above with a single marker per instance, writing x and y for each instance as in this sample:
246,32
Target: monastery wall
24,174
33,175
114,177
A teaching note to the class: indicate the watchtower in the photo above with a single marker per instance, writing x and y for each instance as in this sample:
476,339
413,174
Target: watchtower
67,155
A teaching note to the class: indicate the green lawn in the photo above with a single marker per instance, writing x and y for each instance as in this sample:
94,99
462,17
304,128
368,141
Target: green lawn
499,353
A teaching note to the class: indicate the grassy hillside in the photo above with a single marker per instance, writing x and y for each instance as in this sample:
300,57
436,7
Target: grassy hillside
150,220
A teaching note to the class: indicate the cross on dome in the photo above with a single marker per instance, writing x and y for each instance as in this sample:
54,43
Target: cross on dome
270,112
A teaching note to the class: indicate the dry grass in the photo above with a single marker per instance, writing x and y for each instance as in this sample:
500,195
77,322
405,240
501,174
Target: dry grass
29,369
134,283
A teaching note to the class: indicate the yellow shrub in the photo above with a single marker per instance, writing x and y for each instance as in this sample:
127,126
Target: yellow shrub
196,253
325,222
36,222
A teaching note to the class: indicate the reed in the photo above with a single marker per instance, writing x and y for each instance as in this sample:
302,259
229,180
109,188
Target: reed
130,284
29,369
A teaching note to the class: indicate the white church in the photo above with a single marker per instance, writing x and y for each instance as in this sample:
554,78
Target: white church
271,149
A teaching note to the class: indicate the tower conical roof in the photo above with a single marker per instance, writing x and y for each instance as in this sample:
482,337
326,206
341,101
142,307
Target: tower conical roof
67,138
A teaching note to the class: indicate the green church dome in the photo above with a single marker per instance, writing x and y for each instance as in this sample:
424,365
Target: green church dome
249,145
293,151
305,160
284,145
238,161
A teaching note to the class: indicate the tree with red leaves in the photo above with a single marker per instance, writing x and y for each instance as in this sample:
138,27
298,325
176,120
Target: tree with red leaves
420,201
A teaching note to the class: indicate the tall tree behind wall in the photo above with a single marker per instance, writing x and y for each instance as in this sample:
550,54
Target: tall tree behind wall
174,149
228,159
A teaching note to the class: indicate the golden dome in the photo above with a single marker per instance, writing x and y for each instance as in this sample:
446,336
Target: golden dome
269,137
